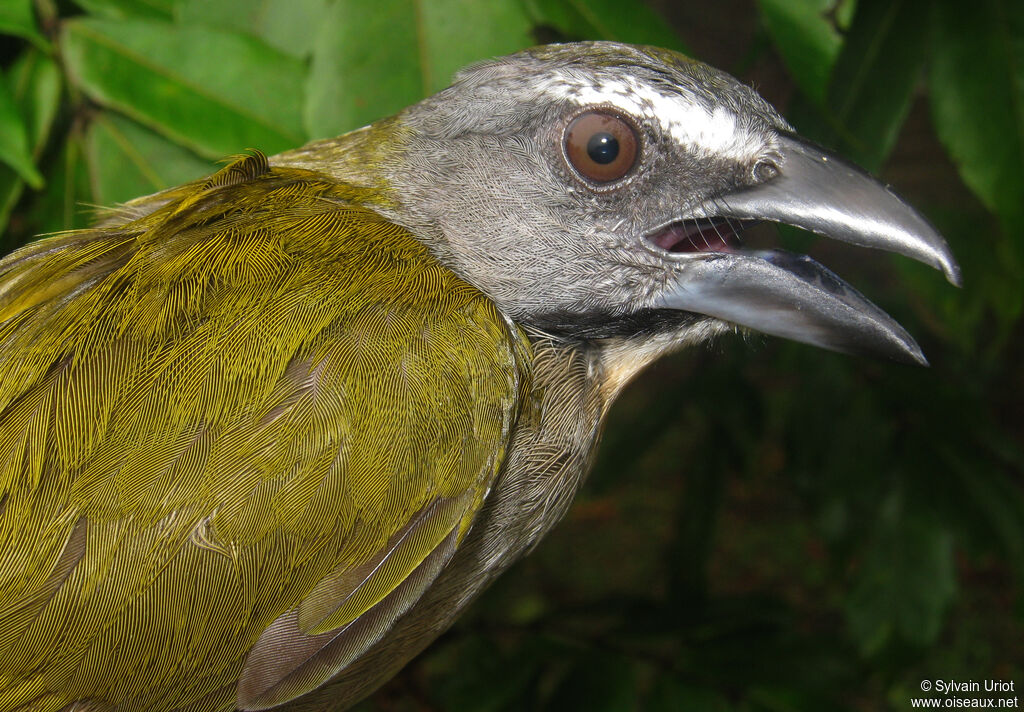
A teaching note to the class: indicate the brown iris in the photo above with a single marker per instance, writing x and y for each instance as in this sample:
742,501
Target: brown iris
601,146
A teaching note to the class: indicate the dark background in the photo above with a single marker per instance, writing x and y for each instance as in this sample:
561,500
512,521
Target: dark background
769,526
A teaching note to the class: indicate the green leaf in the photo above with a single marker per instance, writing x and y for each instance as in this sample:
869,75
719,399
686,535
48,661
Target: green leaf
373,59
66,203
905,584
127,160
459,32
11,188
14,145
214,92
874,78
17,18
34,81
977,93
282,24
124,9
806,36
620,20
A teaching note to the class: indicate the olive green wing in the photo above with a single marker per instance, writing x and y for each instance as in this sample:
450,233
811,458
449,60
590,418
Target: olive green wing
239,436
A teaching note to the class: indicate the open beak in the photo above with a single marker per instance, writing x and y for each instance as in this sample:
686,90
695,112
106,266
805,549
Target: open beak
793,296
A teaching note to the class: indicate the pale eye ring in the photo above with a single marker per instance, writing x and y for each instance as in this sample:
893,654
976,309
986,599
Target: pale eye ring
601,146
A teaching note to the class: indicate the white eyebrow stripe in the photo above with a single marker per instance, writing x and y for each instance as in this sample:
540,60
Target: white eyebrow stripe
689,123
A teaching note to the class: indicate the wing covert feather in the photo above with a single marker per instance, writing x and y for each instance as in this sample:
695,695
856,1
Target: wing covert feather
260,402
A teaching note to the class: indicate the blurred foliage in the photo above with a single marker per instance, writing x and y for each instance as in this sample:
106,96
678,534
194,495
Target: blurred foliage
774,528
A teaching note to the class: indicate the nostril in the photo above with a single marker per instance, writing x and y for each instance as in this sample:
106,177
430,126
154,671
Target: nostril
764,170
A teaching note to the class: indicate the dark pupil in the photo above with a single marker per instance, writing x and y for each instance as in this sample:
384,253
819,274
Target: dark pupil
602,147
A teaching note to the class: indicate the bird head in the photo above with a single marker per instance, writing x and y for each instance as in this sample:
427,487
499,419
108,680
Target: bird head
598,190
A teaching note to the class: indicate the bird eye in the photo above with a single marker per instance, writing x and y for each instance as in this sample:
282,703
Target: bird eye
601,146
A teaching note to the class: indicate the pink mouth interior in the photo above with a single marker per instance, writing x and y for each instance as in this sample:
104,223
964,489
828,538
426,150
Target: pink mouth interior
700,235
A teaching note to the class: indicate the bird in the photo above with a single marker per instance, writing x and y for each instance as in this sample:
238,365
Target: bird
264,435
